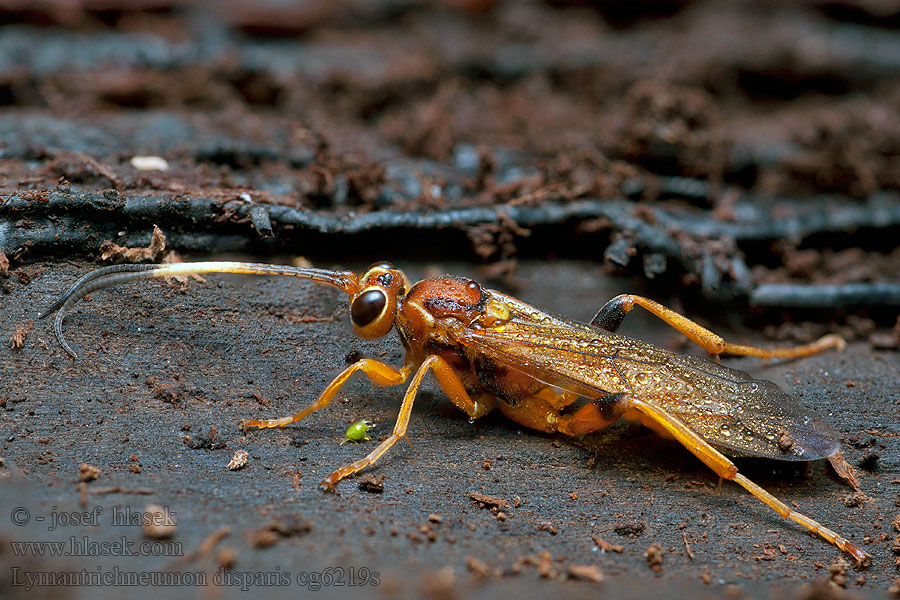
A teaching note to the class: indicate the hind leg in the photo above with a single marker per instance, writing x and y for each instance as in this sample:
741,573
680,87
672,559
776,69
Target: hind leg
726,469
611,315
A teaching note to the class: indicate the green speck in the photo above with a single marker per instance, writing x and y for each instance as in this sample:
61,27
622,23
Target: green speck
357,432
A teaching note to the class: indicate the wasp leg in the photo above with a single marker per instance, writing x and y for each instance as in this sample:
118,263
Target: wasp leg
451,385
378,372
610,316
725,468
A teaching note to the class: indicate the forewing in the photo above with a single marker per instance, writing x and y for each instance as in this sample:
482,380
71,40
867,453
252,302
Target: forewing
743,415
736,413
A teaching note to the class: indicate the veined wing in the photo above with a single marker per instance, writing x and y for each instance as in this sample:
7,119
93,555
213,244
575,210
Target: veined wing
727,407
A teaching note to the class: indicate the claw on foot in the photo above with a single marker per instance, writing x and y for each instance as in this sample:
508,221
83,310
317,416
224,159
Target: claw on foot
327,484
245,424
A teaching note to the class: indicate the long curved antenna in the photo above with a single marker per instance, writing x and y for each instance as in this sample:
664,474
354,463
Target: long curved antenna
345,281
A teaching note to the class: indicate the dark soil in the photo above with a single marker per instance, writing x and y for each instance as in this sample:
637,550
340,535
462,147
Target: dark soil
738,161
166,373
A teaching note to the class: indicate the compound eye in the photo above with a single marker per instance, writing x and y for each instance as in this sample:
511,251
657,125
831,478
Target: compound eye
383,264
367,307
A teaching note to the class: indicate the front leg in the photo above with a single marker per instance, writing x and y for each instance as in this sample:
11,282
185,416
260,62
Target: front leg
378,372
451,385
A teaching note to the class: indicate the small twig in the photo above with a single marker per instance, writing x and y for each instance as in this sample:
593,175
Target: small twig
259,216
826,296
205,547
687,547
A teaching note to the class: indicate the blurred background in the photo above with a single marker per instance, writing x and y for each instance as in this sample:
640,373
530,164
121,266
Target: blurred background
735,150
719,145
